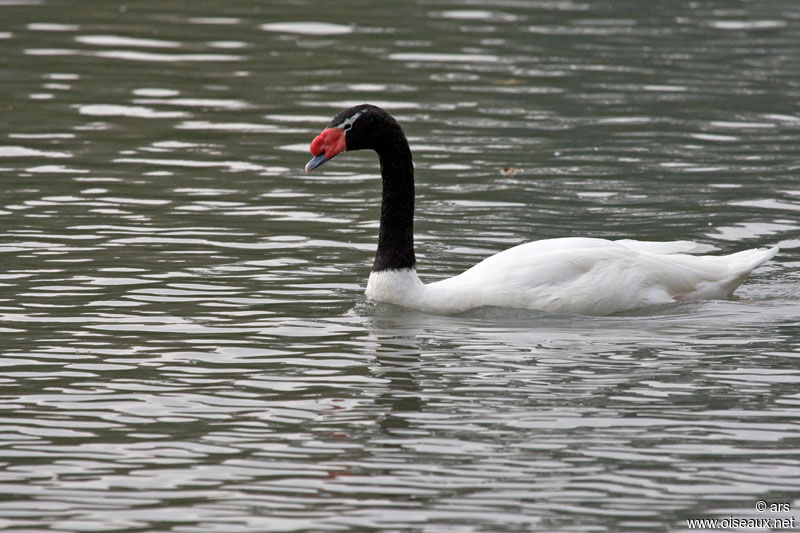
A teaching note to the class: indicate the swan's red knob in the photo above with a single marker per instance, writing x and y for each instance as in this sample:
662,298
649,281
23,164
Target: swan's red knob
325,146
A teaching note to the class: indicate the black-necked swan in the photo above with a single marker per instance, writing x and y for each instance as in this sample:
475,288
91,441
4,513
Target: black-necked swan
565,275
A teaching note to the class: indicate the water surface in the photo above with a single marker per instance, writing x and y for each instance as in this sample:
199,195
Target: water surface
185,343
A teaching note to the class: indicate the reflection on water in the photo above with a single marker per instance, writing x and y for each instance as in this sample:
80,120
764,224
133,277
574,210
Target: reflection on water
185,344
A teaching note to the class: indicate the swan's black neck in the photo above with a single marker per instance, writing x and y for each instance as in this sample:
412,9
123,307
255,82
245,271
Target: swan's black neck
396,234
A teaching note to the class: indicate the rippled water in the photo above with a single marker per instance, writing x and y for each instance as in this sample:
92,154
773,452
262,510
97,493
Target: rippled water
185,344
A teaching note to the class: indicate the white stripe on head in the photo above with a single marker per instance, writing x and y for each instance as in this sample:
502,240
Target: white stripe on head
349,121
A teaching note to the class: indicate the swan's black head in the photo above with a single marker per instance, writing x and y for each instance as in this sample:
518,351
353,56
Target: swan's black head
368,127
361,127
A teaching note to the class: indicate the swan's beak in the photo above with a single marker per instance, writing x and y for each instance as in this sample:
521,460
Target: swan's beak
315,162
326,145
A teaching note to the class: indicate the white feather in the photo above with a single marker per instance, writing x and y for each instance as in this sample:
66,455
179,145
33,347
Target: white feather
575,275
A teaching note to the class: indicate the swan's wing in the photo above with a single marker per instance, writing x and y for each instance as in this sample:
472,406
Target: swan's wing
671,247
572,275
578,243
596,276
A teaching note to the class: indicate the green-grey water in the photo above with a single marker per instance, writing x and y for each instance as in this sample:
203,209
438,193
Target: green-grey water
184,342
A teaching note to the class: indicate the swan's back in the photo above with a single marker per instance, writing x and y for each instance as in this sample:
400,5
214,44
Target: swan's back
594,276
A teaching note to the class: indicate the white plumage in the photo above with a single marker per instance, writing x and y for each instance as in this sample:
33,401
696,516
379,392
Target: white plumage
575,275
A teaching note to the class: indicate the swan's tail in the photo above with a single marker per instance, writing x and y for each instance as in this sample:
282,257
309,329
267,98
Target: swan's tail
747,260
742,263
708,277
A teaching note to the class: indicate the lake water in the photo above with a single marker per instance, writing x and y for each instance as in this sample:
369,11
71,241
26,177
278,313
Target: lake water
185,344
